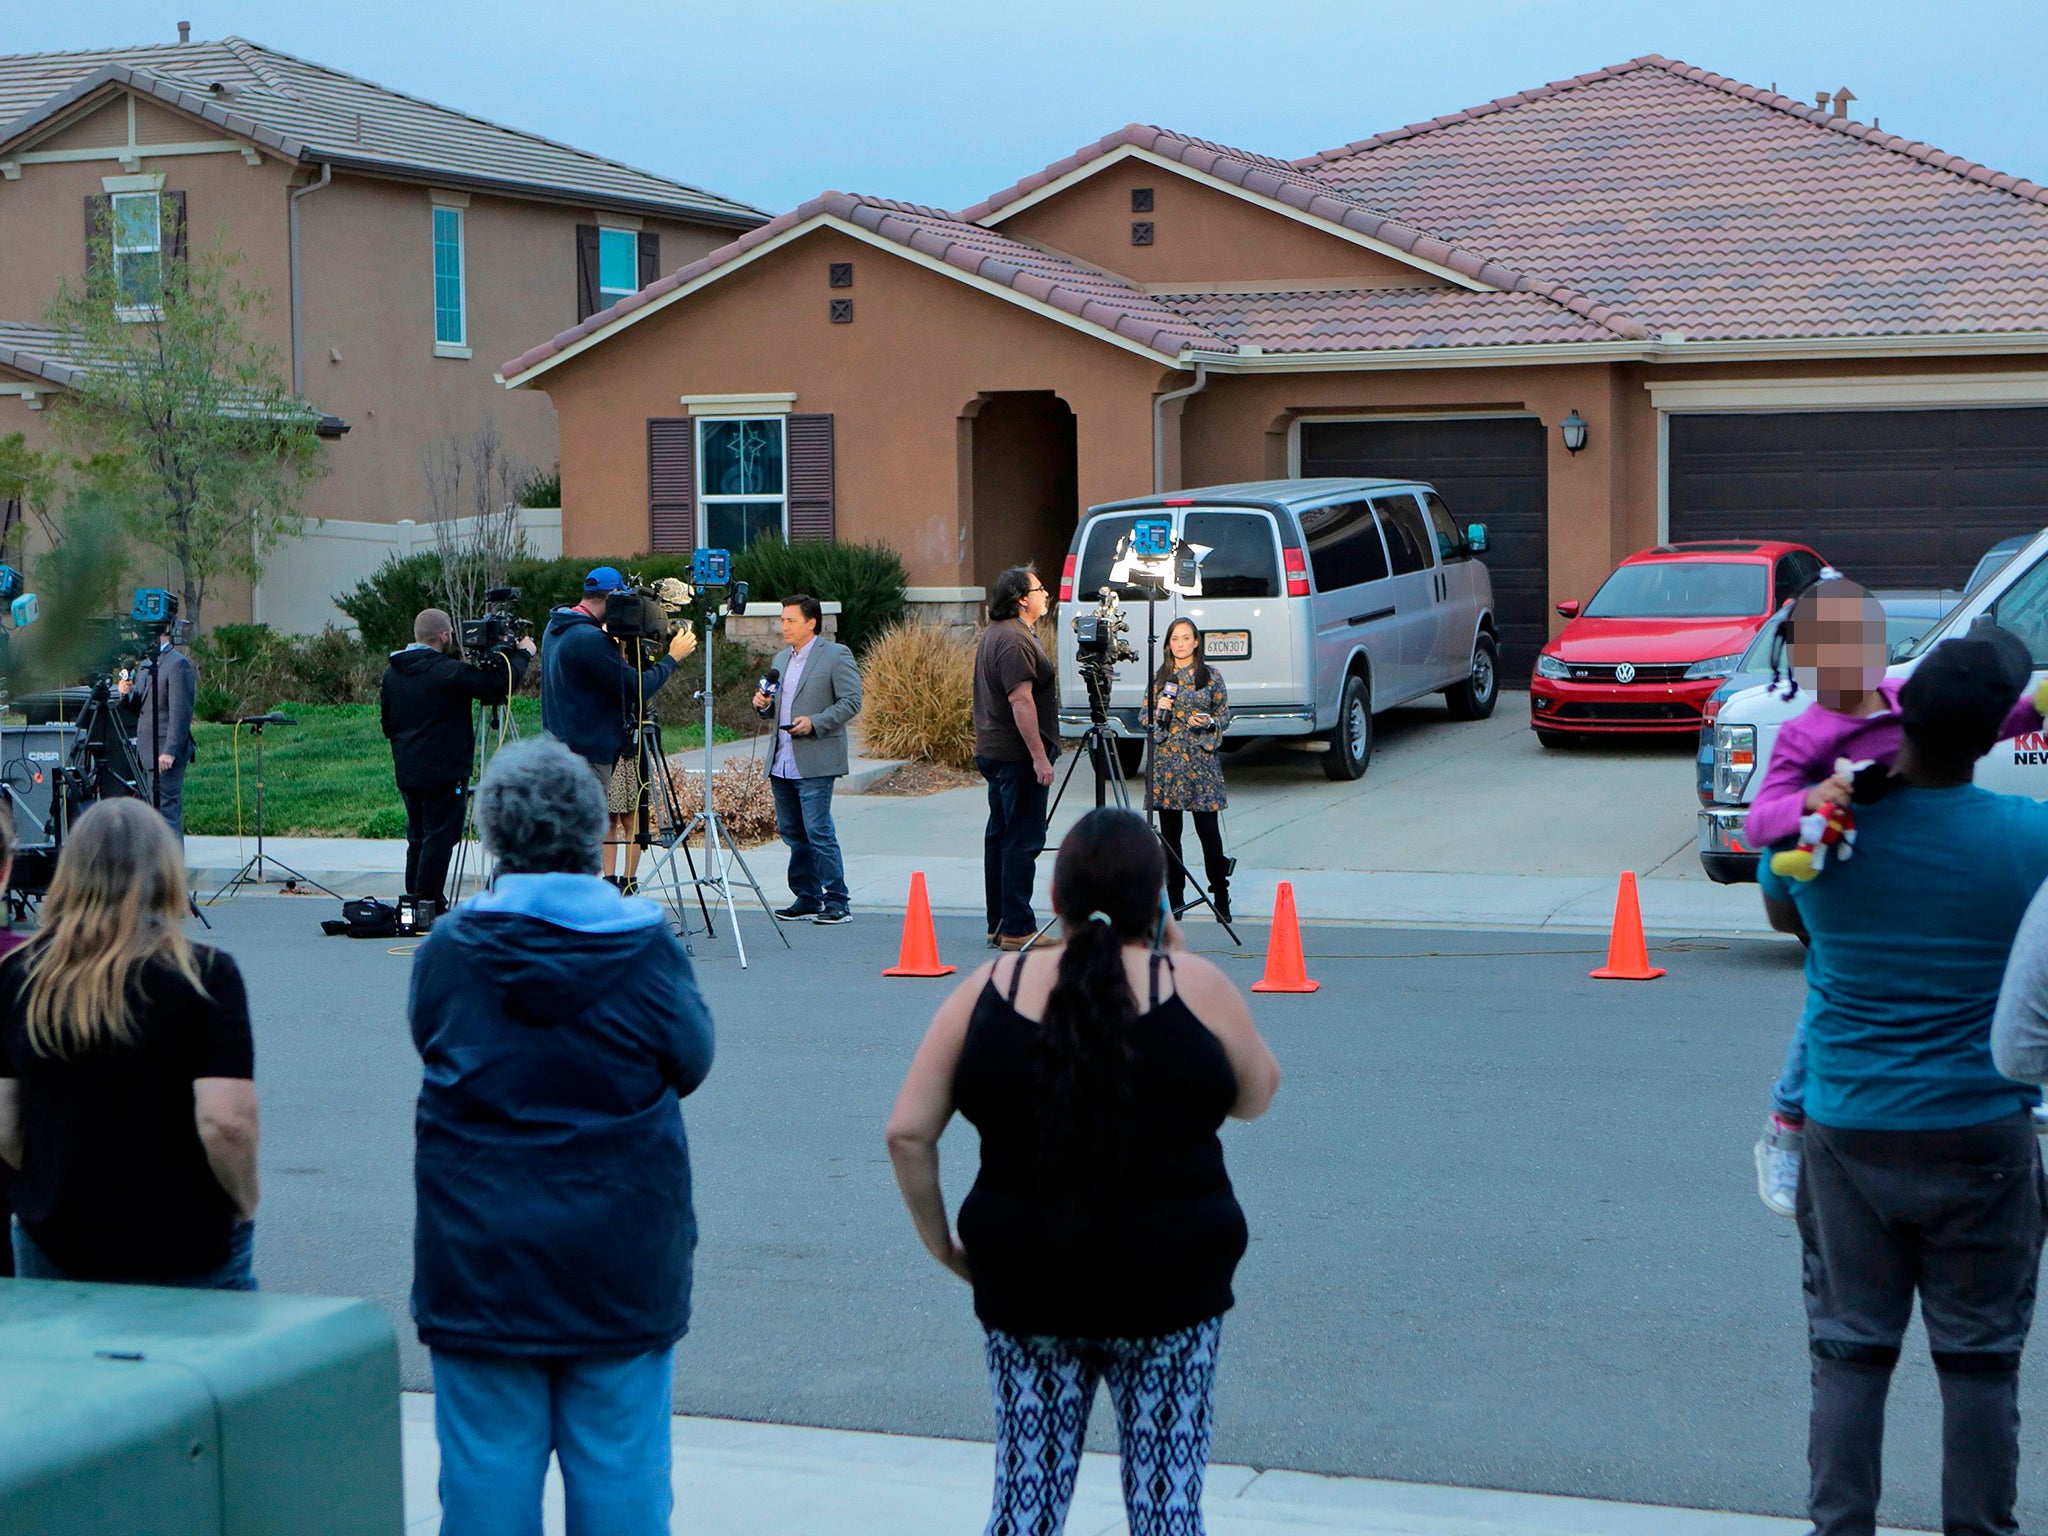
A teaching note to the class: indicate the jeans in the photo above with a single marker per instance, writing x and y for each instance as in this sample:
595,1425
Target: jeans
237,1274
1788,1093
1011,845
605,1418
1955,1216
1044,1387
170,799
433,826
803,815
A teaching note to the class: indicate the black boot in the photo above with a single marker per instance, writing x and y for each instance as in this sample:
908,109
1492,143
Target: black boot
1219,898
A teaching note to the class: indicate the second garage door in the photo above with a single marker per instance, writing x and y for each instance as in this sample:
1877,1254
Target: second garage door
1491,470
1893,498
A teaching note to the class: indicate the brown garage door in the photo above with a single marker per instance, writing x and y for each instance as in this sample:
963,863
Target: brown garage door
1491,470
1892,498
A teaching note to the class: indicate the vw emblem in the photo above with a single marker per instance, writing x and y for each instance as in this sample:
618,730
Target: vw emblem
1625,673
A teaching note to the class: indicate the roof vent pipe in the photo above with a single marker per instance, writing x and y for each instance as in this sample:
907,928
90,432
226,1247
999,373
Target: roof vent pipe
1159,424
184,31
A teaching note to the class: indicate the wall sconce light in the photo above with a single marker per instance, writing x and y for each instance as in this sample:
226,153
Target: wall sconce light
1574,429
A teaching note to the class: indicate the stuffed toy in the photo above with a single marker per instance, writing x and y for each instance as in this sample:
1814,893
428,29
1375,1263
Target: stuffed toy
1829,832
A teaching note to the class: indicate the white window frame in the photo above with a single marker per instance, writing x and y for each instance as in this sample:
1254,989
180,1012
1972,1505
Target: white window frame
134,312
607,297
460,346
707,499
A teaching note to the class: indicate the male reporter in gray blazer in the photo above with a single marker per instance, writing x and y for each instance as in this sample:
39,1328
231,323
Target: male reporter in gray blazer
162,710
818,692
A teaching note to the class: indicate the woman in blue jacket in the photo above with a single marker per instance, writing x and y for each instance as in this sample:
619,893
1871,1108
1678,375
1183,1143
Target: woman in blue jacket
559,1024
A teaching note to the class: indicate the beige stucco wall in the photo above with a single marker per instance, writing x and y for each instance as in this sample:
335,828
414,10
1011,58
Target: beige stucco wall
367,261
1199,235
898,381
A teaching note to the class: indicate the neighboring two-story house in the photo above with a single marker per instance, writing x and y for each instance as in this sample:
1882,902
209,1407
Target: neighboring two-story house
404,247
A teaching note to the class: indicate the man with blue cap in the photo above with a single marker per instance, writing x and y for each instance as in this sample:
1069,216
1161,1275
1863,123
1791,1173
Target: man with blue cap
588,693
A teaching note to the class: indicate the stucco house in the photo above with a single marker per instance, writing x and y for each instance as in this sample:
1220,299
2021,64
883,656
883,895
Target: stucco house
402,245
1771,319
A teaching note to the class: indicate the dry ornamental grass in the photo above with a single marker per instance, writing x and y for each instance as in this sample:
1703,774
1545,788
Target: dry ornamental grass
917,690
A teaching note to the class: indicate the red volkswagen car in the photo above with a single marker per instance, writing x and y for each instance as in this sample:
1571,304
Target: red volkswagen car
1664,629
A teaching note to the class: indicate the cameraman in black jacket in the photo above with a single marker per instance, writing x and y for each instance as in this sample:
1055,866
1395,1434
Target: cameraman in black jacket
424,704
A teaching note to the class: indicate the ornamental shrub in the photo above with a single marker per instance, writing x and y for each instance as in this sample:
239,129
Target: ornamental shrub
866,580
917,695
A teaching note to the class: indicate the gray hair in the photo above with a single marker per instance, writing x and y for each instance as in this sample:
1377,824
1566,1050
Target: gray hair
541,811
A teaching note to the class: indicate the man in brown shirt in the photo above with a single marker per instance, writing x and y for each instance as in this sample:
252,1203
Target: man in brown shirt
1016,737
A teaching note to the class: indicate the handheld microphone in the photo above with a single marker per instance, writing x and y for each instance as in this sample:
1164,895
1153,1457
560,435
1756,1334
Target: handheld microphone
771,684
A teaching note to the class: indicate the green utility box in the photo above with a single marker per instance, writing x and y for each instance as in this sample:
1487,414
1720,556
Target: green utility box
130,1410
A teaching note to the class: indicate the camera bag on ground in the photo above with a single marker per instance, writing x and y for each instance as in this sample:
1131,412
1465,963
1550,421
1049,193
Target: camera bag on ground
367,917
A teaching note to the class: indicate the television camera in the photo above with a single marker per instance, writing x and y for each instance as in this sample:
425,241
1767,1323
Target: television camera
497,627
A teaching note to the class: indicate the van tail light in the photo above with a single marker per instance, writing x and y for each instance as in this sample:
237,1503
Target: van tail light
1067,579
1297,573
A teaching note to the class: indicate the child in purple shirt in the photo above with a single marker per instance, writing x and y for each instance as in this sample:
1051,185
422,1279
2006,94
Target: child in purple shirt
1836,636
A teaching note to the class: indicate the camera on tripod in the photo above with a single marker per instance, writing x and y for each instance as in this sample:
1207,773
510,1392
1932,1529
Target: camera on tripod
1102,639
643,616
498,627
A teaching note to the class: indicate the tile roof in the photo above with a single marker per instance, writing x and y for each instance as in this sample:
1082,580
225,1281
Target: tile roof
1374,319
1088,293
1693,202
308,112
1285,183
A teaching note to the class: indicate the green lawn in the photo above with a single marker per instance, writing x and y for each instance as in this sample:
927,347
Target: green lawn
327,776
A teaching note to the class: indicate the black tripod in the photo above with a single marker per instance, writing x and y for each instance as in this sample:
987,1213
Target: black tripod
494,722
252,873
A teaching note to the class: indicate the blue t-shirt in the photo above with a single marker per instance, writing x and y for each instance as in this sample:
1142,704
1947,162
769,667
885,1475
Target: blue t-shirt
1910,939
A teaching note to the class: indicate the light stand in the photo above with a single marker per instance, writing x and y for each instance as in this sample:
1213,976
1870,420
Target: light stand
721,854
244,875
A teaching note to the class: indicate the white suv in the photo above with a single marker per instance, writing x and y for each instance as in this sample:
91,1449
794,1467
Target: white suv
1747,726
1323,602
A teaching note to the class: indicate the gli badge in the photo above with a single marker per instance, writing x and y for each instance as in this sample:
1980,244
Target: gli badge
1625,673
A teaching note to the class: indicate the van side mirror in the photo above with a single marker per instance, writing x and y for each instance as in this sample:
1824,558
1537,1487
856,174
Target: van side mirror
1475,538
1569,607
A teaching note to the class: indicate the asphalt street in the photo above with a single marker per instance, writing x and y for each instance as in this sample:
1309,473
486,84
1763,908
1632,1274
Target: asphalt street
1504,1225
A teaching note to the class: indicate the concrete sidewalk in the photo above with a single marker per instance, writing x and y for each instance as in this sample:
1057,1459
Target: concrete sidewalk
740,1479
1457,824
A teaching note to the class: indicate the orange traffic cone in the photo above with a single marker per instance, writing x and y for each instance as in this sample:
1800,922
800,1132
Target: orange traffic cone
1285,971
920,951
1628,957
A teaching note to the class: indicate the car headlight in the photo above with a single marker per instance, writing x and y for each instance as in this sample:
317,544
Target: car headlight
1550,666
1734,761
1714,666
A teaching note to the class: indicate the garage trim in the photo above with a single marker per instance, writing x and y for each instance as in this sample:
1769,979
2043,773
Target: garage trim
1881,392
1318,417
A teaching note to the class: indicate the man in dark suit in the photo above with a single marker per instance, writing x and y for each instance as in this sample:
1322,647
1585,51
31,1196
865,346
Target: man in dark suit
818,693
159,700
424,705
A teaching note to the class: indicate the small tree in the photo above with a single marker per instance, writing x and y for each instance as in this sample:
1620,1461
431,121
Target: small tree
212,450
472,490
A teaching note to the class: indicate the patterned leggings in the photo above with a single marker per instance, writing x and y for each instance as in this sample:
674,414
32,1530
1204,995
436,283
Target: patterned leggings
1043,1390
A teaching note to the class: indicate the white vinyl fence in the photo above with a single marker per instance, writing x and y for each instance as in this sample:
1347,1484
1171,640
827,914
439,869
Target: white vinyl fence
305,574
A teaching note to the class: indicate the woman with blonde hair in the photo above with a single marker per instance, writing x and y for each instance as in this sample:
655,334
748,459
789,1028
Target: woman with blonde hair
126,1095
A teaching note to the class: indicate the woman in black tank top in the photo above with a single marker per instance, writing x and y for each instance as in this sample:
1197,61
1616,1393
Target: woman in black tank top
1101,1233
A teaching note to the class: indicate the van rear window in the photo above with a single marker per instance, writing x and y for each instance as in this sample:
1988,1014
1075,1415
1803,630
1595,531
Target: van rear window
1243,560
1099,553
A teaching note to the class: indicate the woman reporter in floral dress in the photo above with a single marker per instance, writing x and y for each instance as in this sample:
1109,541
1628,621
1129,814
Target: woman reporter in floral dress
1192,709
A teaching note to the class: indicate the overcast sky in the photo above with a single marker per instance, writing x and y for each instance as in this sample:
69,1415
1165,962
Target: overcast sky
945,101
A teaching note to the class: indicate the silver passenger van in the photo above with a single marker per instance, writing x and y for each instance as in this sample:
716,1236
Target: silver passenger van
1323,602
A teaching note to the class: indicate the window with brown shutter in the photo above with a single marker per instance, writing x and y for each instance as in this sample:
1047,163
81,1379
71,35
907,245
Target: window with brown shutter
812,503
671,484
99,234
176,241
650,256
586,272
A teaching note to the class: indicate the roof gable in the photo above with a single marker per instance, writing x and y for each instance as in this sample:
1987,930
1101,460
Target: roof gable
307,112
1704,206
1057,286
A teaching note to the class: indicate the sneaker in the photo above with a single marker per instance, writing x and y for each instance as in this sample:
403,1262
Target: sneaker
1014,943
1777,1167
798,911
831,915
